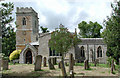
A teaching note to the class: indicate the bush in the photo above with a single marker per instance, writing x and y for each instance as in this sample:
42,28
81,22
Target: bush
2,55
14,55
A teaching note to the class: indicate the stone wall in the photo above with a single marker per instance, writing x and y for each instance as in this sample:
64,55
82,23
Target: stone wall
43,48
90,47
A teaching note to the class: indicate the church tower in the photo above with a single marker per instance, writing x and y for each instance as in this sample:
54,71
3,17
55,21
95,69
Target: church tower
27,27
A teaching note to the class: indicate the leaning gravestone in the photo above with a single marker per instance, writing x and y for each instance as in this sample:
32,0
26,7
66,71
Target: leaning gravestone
111,68
51,66
86,64
38,62
5,64
71,62
44,63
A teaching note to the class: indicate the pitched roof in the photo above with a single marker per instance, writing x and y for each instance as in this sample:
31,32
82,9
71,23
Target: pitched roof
34,43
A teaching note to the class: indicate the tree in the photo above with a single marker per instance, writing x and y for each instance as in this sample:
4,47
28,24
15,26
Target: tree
44,30
61,41
111,34
91,30
8,34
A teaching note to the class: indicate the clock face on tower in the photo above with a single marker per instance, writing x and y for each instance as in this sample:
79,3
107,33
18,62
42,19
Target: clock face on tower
24,32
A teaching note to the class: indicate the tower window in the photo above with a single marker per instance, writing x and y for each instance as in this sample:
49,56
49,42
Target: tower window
24,21
24,40
35,24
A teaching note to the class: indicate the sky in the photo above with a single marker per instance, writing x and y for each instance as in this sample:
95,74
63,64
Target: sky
70,13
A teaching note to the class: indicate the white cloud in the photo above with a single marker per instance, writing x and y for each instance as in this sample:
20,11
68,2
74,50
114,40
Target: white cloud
68,12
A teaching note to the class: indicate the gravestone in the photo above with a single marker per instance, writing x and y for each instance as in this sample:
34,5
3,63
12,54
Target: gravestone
71,62
5,64
59,65
44,63
51,66
113,64
111,68
38,63
86,65
96,62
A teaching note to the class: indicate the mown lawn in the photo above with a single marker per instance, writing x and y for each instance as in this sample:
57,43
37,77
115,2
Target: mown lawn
28,69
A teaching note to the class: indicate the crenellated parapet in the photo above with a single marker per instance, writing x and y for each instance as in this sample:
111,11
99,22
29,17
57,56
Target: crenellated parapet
25,10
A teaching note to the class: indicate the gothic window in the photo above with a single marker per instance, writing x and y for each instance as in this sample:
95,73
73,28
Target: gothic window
82,51
60,54
53,53
24,21
99,52
50,52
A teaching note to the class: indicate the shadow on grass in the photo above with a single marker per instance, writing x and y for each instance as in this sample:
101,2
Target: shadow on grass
39,73
89,69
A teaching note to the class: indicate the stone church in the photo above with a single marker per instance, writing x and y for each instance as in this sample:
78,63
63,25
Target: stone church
33,43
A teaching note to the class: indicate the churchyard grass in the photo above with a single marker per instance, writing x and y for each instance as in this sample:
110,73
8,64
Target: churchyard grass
28,69
92,65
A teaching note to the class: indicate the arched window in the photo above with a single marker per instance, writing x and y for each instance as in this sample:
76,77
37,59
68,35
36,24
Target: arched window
24,21
82,51
53,53
50,52
99,52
